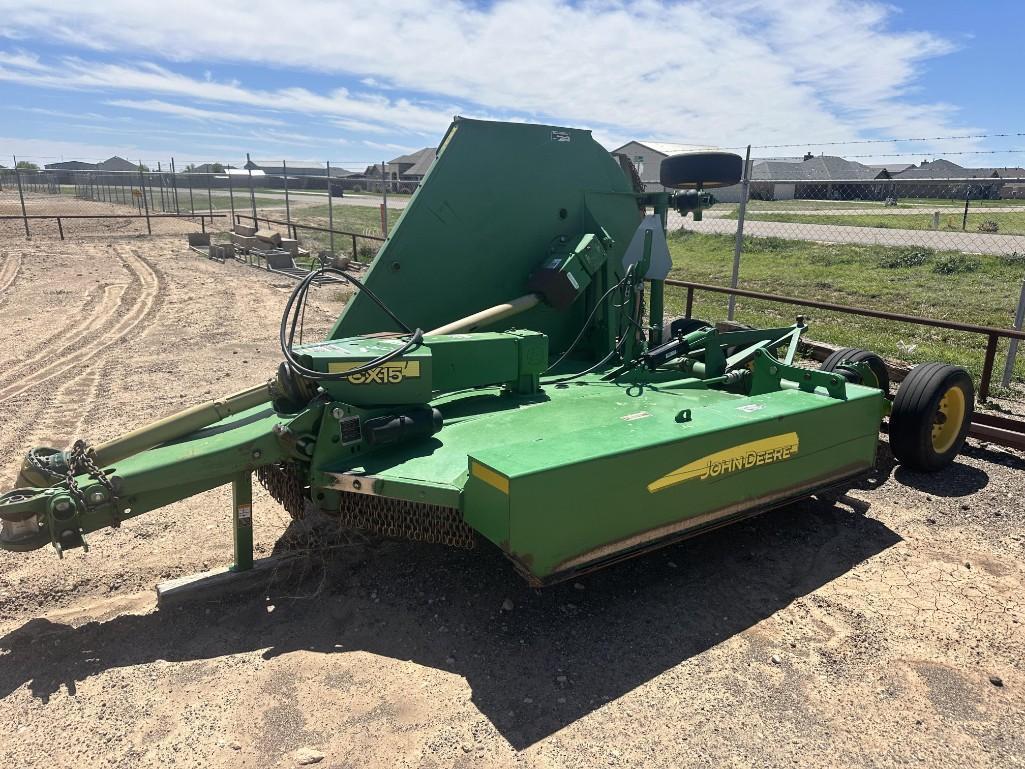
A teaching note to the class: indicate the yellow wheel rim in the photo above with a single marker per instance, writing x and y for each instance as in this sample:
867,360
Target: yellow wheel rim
949,418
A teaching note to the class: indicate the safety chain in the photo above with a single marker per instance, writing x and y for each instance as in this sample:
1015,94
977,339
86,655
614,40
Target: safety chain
80,461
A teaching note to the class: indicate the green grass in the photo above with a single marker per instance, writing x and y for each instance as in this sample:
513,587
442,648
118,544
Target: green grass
853,275
1007,223
919,202
361,220
808,205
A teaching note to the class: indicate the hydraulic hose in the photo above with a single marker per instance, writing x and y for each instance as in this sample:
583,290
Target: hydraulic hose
286,331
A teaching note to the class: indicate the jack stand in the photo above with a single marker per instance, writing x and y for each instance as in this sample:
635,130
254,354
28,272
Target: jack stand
242,520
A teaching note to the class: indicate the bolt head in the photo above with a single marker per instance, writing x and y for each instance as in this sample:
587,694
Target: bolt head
62,506
97,497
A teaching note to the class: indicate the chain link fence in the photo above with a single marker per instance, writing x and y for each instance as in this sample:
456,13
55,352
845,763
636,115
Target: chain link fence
326,212
950,248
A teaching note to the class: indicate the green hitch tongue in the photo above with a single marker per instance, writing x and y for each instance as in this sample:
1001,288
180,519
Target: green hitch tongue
44,466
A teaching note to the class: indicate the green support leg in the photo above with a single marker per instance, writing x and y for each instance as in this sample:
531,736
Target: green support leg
242,500
656,312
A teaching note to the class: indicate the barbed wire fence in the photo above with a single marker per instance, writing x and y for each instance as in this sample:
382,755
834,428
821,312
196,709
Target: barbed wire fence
926,240
929,239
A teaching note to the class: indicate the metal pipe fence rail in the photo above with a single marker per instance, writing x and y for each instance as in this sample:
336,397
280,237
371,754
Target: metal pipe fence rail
60,217
305,200
991,427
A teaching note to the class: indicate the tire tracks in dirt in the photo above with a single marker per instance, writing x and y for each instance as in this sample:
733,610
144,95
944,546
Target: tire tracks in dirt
114,319
9,269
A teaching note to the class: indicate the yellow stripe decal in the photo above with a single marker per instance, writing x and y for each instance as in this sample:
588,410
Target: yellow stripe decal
489,477
743,457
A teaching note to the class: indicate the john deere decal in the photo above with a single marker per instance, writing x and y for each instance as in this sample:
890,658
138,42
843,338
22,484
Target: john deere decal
764,451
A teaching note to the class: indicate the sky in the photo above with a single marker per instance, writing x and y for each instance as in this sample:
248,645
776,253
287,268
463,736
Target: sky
357,82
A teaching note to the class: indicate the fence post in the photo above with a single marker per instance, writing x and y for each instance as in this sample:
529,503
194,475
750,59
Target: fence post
288,208
967,197
210,195
21,196
738,245
330,214
160,180
142,184
384,205
987,366
1012,347
231,199
174,188
192,203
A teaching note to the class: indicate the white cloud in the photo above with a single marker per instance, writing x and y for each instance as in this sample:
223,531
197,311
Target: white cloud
190,113
762,71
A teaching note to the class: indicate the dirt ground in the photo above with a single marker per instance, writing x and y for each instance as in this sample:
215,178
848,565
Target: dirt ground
885,629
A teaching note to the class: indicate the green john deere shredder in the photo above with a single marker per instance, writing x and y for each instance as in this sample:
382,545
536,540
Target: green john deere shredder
504,373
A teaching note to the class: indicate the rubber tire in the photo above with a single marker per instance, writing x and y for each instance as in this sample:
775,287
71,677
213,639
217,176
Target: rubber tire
914,410
857,355
707,170
682,326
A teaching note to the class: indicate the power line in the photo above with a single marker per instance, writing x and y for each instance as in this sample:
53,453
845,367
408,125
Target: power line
881,141
919,154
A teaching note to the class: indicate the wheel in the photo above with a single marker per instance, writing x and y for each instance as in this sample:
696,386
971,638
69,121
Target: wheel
682,327
706,170
931,415
855,355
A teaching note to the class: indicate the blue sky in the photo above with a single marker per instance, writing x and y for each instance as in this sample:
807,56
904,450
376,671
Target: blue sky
356,82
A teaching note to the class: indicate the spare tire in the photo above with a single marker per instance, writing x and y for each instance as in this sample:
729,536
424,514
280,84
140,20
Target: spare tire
705,170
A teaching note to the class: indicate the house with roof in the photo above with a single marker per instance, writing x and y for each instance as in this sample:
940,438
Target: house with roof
70,165
817,177
647,156
403,173
945,179
117,164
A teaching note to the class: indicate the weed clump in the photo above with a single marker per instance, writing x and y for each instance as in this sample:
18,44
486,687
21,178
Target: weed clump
901,258
956,264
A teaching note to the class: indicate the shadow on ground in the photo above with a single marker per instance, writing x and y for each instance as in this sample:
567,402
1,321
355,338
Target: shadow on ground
587,642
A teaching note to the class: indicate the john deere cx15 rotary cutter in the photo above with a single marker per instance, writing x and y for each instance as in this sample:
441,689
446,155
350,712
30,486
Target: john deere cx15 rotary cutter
503,374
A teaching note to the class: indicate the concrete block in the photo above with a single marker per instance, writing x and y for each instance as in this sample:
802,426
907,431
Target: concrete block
244,241
199,238
278,260
269,236
290,245
244,229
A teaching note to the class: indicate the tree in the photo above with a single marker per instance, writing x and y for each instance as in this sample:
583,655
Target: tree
24,165
143,167
217,168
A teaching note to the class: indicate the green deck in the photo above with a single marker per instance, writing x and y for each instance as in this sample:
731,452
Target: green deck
576,462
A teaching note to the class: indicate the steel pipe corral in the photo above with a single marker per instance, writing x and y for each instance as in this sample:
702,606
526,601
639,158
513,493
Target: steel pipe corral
1009,432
